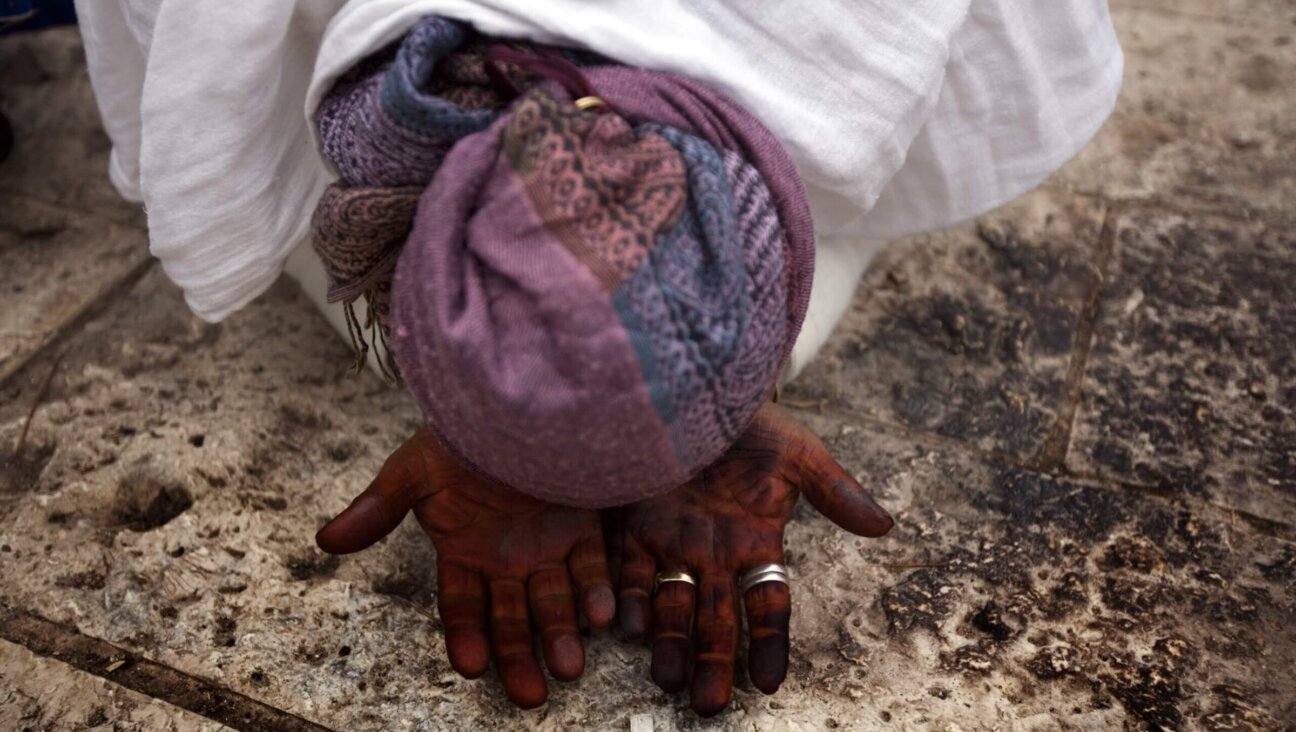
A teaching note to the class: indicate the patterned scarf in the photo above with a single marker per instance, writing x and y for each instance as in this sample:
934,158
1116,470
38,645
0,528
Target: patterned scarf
590,274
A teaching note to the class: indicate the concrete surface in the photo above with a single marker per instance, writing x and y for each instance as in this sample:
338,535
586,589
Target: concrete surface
1081,409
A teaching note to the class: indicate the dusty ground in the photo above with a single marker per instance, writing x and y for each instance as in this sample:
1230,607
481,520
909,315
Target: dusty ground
1081,409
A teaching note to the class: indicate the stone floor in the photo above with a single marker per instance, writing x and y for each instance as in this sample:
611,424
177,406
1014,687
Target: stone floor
1081,409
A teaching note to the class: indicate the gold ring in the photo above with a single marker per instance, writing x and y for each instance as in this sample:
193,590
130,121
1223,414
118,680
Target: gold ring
664,577
586,103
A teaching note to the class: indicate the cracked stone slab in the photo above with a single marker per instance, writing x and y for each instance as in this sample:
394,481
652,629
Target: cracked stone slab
1005,599
60,150
169,492
40,693
56,264
1191,385
177,471
968,332
167,499
1206,113
166,502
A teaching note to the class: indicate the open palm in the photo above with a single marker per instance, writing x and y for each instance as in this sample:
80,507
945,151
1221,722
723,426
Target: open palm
726,521
505,560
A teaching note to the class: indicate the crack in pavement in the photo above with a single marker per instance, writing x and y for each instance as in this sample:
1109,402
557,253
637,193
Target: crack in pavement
115,664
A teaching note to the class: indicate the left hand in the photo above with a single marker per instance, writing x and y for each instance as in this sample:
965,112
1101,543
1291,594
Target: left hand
527,558
724,522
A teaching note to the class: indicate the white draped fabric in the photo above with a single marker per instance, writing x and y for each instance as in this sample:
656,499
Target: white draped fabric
902,116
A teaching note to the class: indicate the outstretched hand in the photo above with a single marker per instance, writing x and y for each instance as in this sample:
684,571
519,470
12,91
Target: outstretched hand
504,560
726,521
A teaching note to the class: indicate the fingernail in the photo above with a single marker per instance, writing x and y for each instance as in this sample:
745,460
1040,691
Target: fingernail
670,664
886,521
569,658
343,532
767,665
881,517
712,688
523,684
874,520
326,540
600,606
634,621
469,656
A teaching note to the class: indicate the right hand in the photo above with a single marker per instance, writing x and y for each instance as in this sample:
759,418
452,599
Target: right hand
726,521
504,560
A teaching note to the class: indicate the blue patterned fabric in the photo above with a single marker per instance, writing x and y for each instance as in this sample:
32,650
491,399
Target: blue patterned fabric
698,310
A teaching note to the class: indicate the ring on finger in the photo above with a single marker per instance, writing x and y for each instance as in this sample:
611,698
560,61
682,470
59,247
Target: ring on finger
762,574
679,576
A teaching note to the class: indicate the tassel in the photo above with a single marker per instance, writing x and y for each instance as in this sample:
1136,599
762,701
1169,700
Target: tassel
377,336
358,343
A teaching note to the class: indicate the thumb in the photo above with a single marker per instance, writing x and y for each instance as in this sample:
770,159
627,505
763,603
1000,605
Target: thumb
836,494
382,506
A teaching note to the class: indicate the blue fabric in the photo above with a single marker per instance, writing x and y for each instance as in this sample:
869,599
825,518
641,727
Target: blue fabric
35,14
701,304
403,95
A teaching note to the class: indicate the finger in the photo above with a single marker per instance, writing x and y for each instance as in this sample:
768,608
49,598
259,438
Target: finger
672,605
511,636
637,572
716,640
461,600
589,568
837,495
550,592
377,511
769,612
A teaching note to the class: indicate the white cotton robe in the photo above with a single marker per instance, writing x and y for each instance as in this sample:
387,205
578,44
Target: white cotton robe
903,116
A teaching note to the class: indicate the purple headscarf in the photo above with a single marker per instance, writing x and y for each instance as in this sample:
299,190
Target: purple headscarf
591,303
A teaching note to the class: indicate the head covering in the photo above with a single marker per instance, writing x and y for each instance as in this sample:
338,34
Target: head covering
593,299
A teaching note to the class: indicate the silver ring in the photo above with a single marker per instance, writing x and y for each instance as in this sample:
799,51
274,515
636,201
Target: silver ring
762,574
664,577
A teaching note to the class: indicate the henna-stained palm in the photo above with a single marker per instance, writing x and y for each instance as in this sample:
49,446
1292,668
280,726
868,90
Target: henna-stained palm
725,521
504,561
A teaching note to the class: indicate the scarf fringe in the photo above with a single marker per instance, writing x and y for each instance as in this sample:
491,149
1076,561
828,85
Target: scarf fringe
377,336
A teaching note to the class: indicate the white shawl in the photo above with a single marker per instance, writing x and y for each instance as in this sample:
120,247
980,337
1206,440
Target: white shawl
902,116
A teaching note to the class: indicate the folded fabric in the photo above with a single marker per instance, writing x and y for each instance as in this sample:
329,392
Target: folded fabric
386,127
595,296
392,120
358,234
